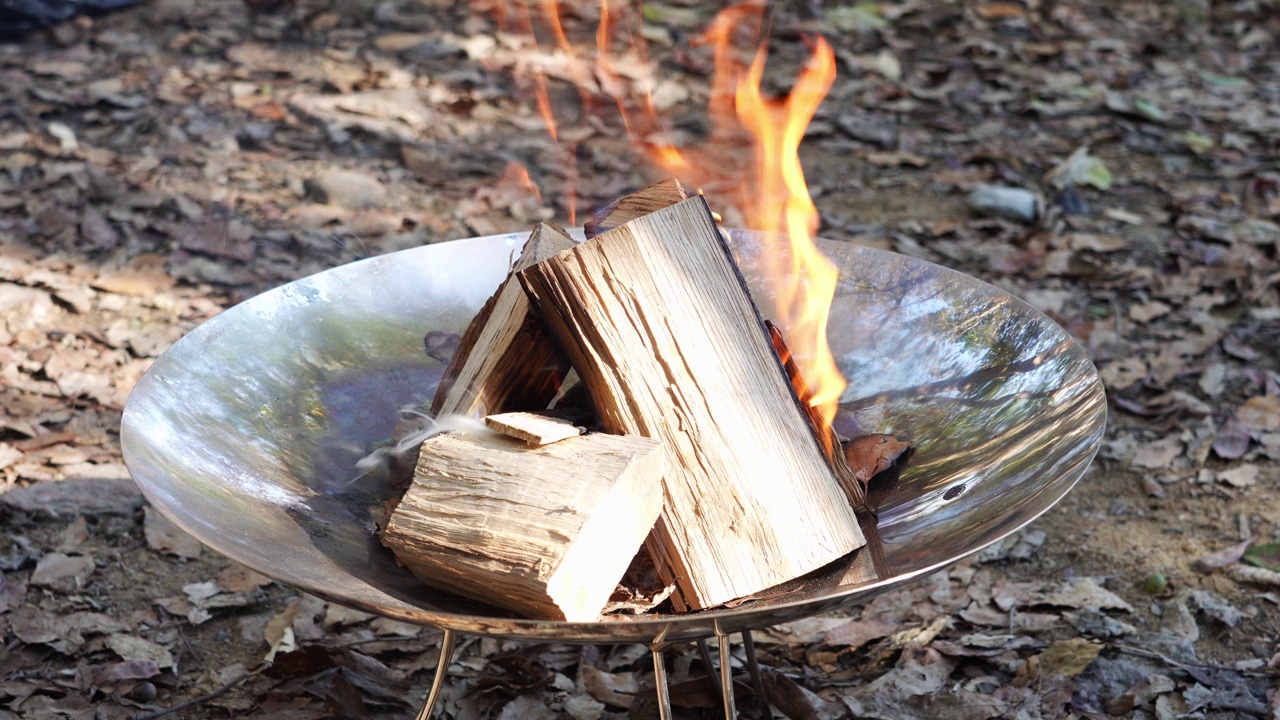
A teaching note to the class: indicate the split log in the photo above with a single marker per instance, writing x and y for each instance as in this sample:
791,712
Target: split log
491,518
505,361
532,428
638,204
657,321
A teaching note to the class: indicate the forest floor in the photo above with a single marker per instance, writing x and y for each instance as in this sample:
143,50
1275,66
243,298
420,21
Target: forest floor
159,164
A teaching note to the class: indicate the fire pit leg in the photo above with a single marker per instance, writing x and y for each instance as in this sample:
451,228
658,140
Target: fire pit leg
447,644
660,684
757,681
726,678
704,652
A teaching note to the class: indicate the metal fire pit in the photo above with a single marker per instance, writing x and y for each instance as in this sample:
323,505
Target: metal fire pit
247,431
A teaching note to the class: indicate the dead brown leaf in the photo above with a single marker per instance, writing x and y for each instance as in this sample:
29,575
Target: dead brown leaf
1232,441
134,648
1240,476
135,283
612,689
999,10
1260,413
1223,557
62,573
870,455
237,578
163,536
1160,454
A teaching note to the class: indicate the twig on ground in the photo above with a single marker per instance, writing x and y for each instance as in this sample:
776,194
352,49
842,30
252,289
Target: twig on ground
1129,649
204,698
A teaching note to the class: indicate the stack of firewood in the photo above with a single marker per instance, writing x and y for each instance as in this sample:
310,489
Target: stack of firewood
703,450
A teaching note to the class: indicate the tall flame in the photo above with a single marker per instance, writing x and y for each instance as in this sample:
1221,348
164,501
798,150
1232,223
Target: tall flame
803,278
771,194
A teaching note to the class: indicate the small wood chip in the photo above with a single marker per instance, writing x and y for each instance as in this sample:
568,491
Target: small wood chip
532,428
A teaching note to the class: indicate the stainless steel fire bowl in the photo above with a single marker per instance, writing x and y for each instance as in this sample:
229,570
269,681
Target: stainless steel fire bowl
246,432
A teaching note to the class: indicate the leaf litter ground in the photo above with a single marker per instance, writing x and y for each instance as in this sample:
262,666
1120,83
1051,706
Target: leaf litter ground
162,163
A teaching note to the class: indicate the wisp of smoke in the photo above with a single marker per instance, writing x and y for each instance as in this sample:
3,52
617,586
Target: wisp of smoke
384,461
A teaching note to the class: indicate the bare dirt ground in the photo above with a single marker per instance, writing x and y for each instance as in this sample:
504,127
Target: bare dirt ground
160,164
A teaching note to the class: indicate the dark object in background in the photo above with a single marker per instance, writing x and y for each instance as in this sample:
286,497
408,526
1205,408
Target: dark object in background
19,17
1072,203
264,6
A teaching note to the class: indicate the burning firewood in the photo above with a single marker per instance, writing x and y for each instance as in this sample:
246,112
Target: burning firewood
657,322
854,486
668,348
546,531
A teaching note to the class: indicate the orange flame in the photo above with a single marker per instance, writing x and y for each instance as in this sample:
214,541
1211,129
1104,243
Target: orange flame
804,279
771,194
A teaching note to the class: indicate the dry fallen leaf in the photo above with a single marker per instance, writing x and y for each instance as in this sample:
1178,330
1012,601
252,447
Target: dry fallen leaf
1232,441
612,689
236,578
1223,557
1121,374
1146,312
1261,413
62,573
870,455
1160,454
1240,476
999,10
135,283
163,536
132,647
1068,658
856,633
279,632
1081,593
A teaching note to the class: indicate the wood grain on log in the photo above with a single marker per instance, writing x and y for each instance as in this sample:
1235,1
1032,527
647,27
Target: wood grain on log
642,202
505,361
546,531
657,321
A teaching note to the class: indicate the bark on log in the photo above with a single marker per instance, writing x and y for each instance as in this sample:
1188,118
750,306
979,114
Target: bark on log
546,531
656,320
505,361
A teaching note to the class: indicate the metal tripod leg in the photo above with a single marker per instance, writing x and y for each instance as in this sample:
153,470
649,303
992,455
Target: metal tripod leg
726,673
726,679
660,684
757,681
704,652
447,644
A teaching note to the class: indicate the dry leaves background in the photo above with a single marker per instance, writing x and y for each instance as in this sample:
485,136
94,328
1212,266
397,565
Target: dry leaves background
161,163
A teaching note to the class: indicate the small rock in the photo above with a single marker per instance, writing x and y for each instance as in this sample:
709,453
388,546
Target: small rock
1215,607
348,189
1011,203
867,130
102,495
